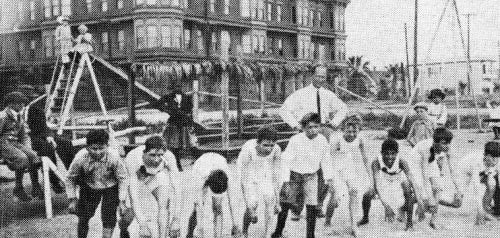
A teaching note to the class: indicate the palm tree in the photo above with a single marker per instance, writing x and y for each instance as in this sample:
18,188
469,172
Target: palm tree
358,75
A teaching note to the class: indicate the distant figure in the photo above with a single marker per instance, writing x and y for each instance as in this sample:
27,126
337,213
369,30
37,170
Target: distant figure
64,37
437,109
494,112
179,107
15,146
423,127
84,40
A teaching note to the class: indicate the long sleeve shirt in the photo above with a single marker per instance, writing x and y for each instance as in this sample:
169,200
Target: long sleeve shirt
306,156
97,174
303,101
421,129
437,113
134,162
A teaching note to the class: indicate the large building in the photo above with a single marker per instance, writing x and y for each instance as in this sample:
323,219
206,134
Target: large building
273,31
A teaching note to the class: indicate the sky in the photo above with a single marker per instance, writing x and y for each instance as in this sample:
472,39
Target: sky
375,30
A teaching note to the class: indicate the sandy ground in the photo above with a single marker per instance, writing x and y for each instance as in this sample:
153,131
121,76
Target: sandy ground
27,219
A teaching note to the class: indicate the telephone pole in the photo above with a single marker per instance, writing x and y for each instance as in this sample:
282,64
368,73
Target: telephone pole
468,15
415,45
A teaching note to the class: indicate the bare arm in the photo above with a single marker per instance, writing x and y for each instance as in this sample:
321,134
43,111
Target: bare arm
443,117
277,173
244,163
232,204
365,158
376,180
410,138
454,176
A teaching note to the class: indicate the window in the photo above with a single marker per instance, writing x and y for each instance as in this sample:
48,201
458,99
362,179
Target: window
32,10
320,19
260,9
311,18
187,38
301,50
199,39
255,44
150,2
66,7
121,40
20,50
104,42
20,11
166,36
313,53
139,2
332,20
175,3
46,8
484,69
212,5
89,6
141,36
177,36
104,5
55,7
278,13
299,13
152,40
226,7
32,49
214,42
304,17
245,8
48,43
247,44
262,42
269,11
119,4
280,47
270,46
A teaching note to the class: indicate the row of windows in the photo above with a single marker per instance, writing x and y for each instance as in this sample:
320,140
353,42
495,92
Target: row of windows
55,8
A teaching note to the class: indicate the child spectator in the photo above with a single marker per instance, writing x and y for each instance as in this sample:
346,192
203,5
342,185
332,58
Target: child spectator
437,109
494,112
422,128
64,37
84,40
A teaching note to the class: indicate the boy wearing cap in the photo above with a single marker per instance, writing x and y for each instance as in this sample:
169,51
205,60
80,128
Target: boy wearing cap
210,178
331,110
436,108
64,37
394,183
259,169
305,153
152,166
101,175
474,169
15,145
422,128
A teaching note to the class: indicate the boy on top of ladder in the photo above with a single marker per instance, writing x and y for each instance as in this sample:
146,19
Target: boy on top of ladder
64,37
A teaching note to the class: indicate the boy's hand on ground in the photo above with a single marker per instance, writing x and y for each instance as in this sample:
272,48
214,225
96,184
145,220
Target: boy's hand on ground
236,232
389,214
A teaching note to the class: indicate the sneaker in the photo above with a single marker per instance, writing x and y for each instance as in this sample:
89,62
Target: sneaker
21,195
363,221
320,214
37,192
295,217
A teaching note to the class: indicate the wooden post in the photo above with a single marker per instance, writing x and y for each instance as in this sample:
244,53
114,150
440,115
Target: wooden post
225,90
46,185
457,101
239,99
262,97
131,102
96,84
196,98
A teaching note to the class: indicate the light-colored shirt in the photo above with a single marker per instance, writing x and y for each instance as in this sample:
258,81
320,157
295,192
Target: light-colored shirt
165,179
203,166
63,32
437,113
260,168
306,156
98,174
304,100
346,154
421,129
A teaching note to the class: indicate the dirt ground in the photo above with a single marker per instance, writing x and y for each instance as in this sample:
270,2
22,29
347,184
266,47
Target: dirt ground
27,219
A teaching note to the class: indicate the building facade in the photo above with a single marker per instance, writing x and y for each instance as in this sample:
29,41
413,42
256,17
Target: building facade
176,30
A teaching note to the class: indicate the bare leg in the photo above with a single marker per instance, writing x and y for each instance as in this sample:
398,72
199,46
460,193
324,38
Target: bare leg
267,217
191,224
353,209
107,232
218,219
436,191
330,209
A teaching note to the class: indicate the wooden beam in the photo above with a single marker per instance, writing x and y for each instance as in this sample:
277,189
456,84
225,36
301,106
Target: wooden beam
224,79
262,97
196,99
131,102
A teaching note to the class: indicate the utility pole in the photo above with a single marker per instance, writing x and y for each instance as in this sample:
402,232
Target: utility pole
407,70
415,45
468,15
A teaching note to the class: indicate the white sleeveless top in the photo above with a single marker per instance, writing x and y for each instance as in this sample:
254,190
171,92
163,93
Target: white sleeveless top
393,170
347,155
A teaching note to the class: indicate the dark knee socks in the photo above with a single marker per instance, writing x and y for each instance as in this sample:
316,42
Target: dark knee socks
34,177
191,225
311,212
280,224
246,221
19,179
83,228
366,204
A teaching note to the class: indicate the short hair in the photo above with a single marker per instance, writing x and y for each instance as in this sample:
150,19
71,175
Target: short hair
15,97
267,133
217,181
155,142
442,134
352,120
310,117
390,144
99,137
492,148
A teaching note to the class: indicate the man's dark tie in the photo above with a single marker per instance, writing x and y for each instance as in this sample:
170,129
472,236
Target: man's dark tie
318,103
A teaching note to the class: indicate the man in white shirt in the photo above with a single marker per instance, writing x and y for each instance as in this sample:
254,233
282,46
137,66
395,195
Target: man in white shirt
307,152
473,169
154,167
331,110
211,179
259,169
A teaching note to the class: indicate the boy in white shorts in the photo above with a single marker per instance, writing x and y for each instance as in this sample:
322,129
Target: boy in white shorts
211,177
154,167
259,168
393,182
425,160
353,168
473,169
